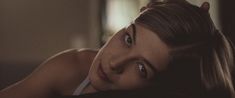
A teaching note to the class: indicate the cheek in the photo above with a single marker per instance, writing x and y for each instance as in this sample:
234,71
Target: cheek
95,63
102,55
93,68
131,80
116,42
115,48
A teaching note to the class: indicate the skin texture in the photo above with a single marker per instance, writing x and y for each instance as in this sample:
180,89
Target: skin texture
122,59
126,62
59,75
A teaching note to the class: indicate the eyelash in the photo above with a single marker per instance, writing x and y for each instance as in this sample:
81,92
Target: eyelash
125,39
142,67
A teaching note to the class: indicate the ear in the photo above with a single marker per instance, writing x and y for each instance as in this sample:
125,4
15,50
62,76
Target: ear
205,6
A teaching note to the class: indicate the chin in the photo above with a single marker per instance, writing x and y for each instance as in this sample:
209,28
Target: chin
95,79
98,83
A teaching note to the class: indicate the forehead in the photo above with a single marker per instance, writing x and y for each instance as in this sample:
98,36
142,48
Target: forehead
150,46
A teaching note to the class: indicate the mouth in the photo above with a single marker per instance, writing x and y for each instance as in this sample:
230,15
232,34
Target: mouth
102,74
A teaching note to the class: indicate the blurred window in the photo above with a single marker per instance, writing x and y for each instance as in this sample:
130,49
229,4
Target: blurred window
120,13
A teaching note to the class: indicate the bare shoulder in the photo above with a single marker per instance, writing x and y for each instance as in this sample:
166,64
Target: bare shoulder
72,59
71,68
86,55
74,65
73,53
86,52
60,73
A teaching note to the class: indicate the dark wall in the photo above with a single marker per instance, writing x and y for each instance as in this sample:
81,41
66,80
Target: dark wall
33,30
12,72
227,17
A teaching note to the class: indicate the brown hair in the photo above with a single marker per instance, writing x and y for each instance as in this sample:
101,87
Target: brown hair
200,53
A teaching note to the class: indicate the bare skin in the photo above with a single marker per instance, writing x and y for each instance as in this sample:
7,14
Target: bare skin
59,75
128,61
121,64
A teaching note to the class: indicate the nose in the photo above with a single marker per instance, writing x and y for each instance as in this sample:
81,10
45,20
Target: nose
118,64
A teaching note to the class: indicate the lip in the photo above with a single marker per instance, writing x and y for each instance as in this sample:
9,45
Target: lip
102,74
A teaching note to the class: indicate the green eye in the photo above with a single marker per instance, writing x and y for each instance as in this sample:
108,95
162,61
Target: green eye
127,39
142,70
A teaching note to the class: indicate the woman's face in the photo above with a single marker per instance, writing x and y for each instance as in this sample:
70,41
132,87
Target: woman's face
129,60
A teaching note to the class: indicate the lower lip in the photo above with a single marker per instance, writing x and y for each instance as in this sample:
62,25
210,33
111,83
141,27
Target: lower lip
102,75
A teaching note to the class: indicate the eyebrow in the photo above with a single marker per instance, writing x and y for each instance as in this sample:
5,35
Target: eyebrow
150,65
145,60
134,32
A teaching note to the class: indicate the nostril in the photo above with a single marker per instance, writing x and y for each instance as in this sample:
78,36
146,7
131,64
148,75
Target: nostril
119,70
116,68
112,66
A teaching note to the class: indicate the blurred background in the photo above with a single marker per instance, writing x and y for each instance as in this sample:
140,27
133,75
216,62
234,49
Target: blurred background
33,30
